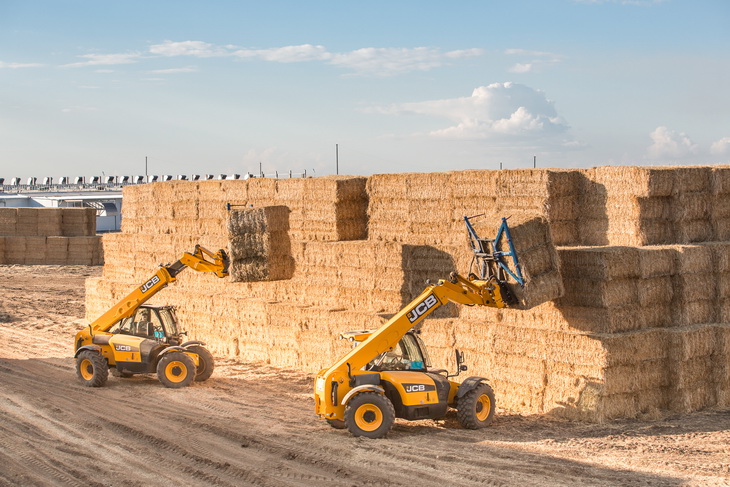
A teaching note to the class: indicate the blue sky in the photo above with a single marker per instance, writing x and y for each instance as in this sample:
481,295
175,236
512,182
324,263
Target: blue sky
95,87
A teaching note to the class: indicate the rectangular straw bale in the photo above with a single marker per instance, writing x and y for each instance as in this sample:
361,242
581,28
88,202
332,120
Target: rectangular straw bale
720,179
695,312
636,181
27,224
8,221
692,342
600,294
694,259
655,290
35,250
473,183
634,347
81,250
691,179
660,208
656,261
691,206
50,221
57,250
260,248
600,263
689,231
538,258
15,249
78,222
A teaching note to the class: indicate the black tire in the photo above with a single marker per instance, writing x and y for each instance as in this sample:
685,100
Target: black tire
206,364
176,369
369,414
92,369
337,424
475,409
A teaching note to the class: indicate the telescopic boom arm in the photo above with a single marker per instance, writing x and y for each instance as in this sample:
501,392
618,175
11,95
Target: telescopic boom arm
218,265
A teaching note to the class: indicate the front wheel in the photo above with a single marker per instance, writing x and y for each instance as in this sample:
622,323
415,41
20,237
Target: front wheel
205,363
176,369
475,409
92,369
369,414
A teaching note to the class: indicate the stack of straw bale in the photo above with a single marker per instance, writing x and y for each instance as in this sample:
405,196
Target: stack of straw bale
328,208
638,324
37,236
260,249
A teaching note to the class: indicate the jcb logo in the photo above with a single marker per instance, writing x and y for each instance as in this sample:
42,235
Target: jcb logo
415,388
422,307
122,348
147,285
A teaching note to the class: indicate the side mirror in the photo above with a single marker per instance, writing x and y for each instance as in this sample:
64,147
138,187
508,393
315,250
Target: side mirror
460,367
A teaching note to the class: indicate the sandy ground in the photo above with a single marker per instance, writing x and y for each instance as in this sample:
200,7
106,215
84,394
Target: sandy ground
254,425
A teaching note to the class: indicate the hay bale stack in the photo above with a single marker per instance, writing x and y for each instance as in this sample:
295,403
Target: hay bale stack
646,301
649,206
8,221
260,249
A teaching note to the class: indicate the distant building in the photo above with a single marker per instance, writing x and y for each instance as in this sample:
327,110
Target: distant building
108,204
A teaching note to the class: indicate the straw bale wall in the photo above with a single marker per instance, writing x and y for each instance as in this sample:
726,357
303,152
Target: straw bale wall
58,236
633,319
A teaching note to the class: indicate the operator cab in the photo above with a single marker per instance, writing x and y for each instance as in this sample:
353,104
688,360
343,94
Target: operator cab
152,322
409,354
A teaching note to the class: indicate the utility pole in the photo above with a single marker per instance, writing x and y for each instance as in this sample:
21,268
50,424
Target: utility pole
534,162
337,158
145,167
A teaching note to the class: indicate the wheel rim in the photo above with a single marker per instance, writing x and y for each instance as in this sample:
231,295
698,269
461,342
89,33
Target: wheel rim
176,371
483,406
368,417
87,369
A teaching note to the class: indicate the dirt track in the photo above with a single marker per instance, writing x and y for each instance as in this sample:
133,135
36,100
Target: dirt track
254,425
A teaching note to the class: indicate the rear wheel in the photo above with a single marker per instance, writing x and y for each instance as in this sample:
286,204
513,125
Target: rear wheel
475,409
176,369
91,369
369,414
205,363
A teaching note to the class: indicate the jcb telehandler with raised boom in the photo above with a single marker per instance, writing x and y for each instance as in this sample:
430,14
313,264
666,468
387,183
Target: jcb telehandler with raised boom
387,374
131,338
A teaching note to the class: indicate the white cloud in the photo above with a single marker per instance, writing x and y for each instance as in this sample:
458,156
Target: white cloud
188,69
189,48
287,54
78,108
670,144
535,60
365,61
496,111
4,65
104,60
721,147
392,61
521,68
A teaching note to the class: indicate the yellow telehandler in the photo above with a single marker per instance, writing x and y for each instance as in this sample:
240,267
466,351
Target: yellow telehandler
134,338
387,374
